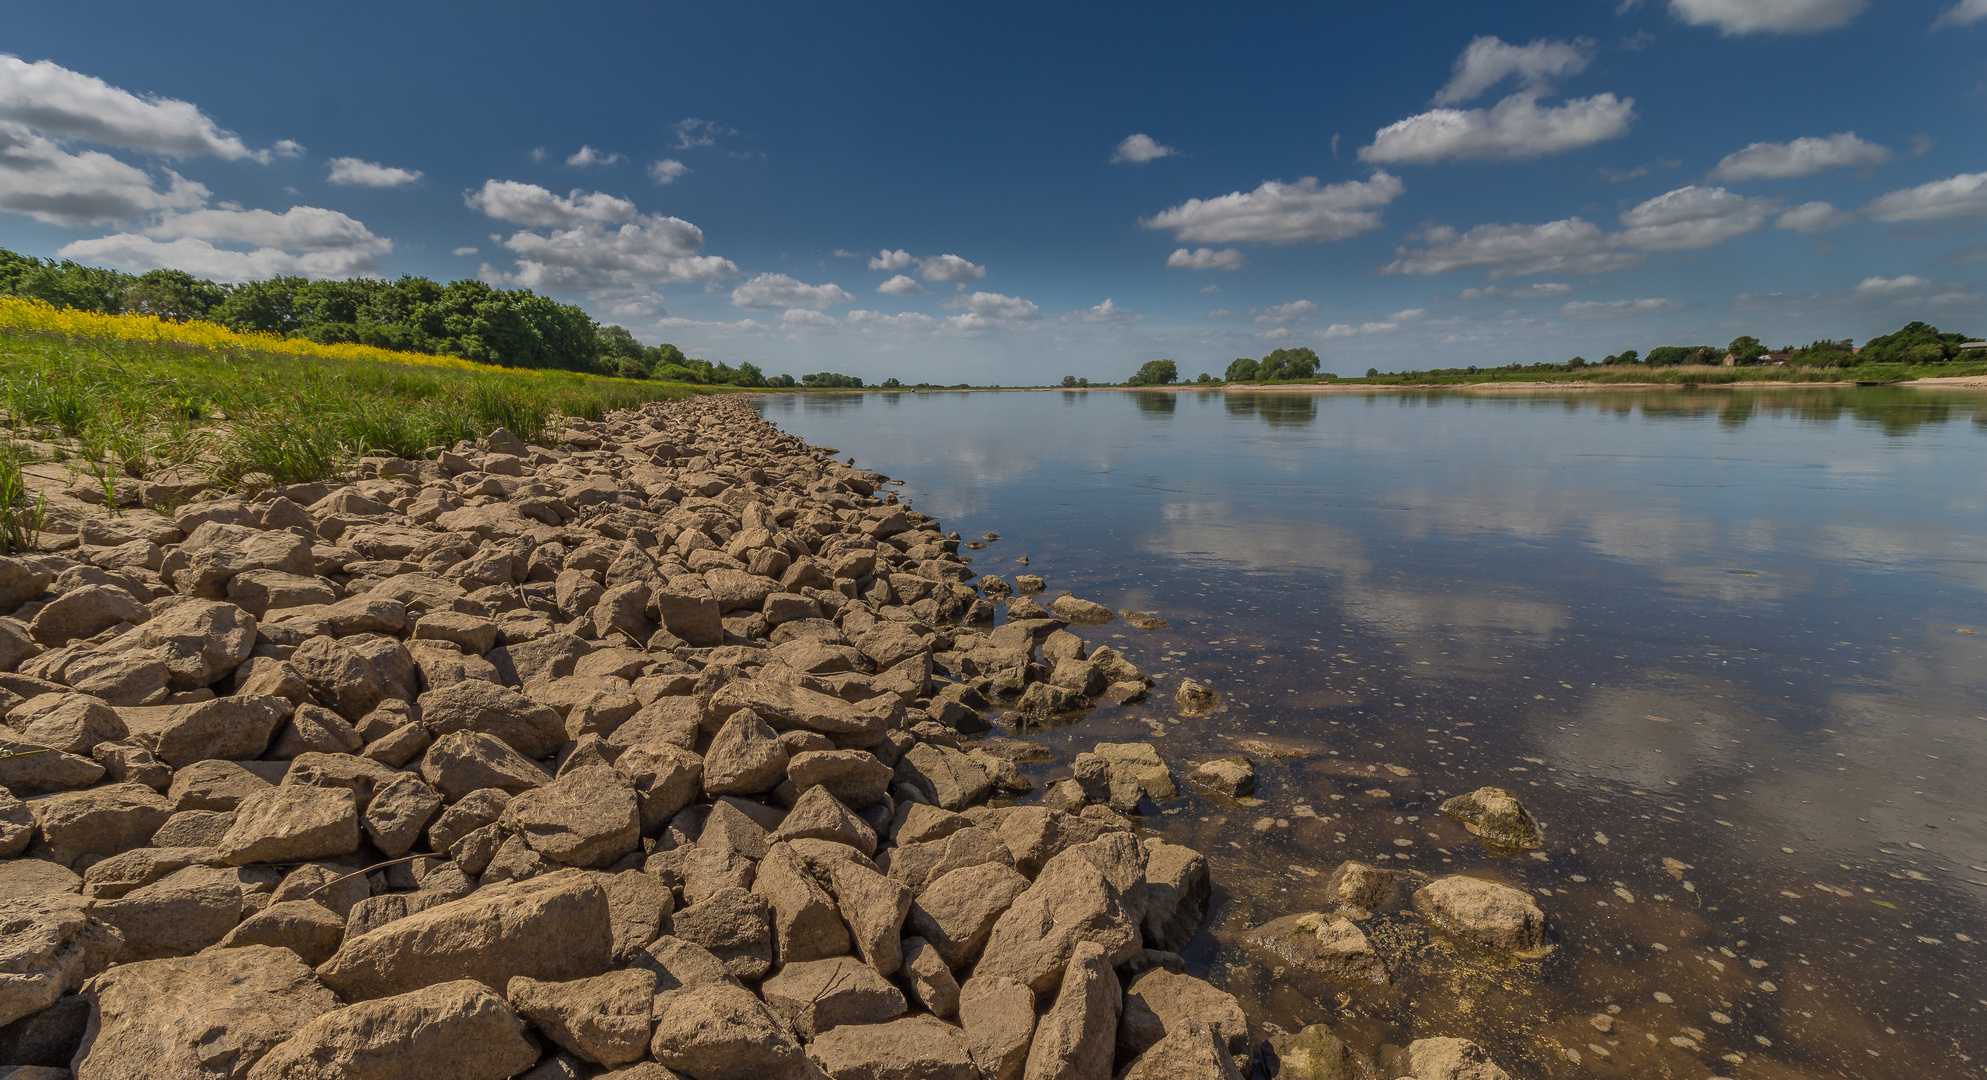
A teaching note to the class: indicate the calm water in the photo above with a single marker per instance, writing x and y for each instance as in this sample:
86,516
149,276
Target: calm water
1735,631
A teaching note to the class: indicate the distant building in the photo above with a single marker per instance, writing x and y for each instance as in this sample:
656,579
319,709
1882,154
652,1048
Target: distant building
1973,345
1776,358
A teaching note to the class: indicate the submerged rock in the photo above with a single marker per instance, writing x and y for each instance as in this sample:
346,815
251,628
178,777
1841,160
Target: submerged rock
1498,818
1322,944
1485,912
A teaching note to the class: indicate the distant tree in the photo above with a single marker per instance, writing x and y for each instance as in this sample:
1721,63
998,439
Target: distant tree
174,295
1673,355
269,306
828,380
1372,372
1069,382
1745,349
1916,343
1083,382
1297,363
1155,373
1628,356
1204,378
782,381
1243,369
892,384
1576,362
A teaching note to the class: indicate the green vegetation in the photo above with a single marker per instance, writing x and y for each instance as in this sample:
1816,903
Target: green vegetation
1283,365
469,319
1155,373
828,380
135,411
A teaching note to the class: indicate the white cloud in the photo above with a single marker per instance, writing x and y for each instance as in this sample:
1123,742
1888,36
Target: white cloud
1962,14
1207,259
1488,61
40,179
594,241
1903,283
987,311
1220,313
464,251
1814,218
804,319
1802,157
533,206
306,240
1616,309
692,133
1544,290
781,291
1141,148
900,285
1295,311
903,320
1774,16
890,260
1959,196
587,155
1378,326
287,148
1691,218
950,268
1281,213
1686,219
667,171
1209,290
1106,312
57,101
353,172
1516,127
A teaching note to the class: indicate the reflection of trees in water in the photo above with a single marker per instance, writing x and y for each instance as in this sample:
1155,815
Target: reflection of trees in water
1155,402
1276,410
831,403
1895,410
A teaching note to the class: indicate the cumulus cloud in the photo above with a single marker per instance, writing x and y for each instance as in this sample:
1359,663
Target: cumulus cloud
1280,213
1106,312
1378,326
1207,259
1803,157
352,172
42,180
901,285
1962,14
464,251
986,311
1814,218
587,155
781,291
1902,283
1295,311
890,260
1686,219
1768,16
56,101
806,319
287,148
1959,196
667,171
1515,128
1488,61
1544,290
1616,309
1140,148
692,133
594,241
950,268
304,240
903,320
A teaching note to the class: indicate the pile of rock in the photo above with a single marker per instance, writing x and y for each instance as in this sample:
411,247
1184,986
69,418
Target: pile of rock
653,752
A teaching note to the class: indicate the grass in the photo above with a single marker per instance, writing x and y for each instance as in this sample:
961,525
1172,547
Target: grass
131,407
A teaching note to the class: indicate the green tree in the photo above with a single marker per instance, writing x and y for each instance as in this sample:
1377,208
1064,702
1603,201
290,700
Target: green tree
1155,373
269,306
174,295
1069,382
1745,349
1242,369
1288,364
1916,343
1628,356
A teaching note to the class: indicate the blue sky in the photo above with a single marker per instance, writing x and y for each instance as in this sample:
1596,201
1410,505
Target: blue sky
1012,194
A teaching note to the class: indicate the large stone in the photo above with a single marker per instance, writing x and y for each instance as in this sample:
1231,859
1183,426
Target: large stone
999,1017
1070,902
27,769
1485,912
353,675
1232,776
735,926
292,823
806,925
1498,818
785,705
856,777
304,927
259,591
236,728
637,904
121,678
1159,1003
398,813
555,928
944,776
314,729
605,1019
720,1031
450,1031
1451,1059
85,612
75,726
468,761
361,776
178,915
49,944
216,552
914,1048
139,867
1075,1039
199,640
745,757
1316,1053
666,779
816,996
532,729
929,978
819,816
1321,944
99,821
957,913
872,906
695,618
197,1017
1191,1053
17,827
1360,890
1177,891
587,817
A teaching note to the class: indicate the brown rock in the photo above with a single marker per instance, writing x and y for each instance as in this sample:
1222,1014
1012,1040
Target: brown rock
914,1048
999,1018
75,726
398,812
1159,1003
1070,902
178,915
943,775
604,1019
353,675
1176,894
85,612
745,758
213,1015
99,821
1451,1059
1485,912
872,906
856,777
216,552
49,944
304,927
930,980
532,729
449,1031
735,926
199,640
1323,944
1315,1053
467,761
637,906
587,817
818,995
1498,818
720,1031
806,925
958,912
1191,1053
314,729
292,823
1075,1038
819,816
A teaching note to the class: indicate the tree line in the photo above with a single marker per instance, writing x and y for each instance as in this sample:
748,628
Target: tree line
1282,365
1916,343
470,319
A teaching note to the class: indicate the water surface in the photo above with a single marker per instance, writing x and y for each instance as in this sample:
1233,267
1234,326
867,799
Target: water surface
1723,644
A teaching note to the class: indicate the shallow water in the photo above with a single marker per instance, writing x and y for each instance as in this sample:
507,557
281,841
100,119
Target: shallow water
1733,630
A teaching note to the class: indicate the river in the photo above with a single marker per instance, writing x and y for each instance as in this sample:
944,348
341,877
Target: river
1729,647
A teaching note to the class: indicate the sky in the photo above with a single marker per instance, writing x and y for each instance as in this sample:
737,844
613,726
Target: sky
1010,194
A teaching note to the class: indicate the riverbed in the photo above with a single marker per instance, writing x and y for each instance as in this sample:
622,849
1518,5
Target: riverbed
1729,647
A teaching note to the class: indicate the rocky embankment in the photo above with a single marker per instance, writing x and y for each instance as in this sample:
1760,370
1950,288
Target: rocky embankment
659,753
